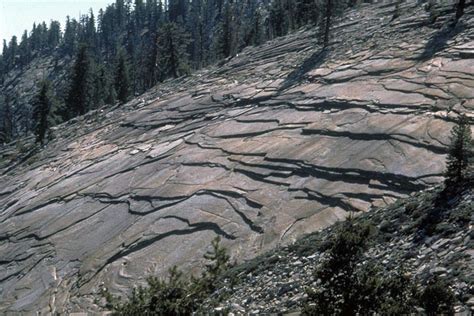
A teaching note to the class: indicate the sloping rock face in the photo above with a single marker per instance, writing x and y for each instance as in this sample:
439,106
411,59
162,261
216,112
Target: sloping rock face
277,281
279,141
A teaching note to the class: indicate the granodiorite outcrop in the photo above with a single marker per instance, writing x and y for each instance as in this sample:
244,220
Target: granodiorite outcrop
281,140
277,281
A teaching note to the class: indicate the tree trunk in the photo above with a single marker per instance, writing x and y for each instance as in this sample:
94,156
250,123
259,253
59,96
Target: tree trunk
327,25
460,9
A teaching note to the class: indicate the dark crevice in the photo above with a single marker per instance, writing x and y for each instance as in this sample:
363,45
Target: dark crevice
258,133
259,177
377,136
251,121
170,202
248,221
40,238
5,262
142,244
40,206
228,152
326,200
389,181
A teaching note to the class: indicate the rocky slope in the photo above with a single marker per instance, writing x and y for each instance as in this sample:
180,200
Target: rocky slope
21,85
279,141
277,280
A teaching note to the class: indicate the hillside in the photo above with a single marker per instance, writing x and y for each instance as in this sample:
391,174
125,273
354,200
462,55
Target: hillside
277,142
277,280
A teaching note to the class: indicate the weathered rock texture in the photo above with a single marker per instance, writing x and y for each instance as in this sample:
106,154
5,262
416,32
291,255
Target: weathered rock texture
279,141
277,281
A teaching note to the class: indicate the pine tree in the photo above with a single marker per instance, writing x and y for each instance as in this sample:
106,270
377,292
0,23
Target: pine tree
338,290
460,152
175,295
54,34
122,79
460,9
327,22
219,259
172,44
41,109
177,11
225,41
254,37
111,95
3,68
437,298
80,96
90,30
24,49
70,37
196,26
13,51
277,18
6,127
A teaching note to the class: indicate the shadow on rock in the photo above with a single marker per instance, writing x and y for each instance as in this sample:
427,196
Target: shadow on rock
314,61
440,39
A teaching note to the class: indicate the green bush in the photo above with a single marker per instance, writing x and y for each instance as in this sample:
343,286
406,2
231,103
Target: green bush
174,295
348,283
338,291
161,297
437,298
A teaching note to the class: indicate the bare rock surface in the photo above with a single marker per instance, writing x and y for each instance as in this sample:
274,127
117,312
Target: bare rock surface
279,141
278,281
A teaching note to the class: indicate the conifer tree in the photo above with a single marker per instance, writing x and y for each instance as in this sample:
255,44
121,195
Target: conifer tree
175,295
277,18
460,9
326,25
460,152
54,34
24,49
437,298
177,11
104,90
226,36
41,109
13,48
6,127
80,96
70,36
255,35
172,44
122,78
338,292
219,259
90,30
3,68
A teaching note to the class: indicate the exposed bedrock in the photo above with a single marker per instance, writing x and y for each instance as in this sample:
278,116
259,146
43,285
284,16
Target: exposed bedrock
278,142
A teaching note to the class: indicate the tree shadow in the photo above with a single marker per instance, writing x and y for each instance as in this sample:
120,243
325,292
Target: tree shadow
439,40
309,64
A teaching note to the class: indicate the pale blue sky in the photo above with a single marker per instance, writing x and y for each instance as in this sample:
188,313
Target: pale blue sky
18,15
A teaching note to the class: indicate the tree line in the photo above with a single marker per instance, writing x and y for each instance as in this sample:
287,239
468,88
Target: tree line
131,46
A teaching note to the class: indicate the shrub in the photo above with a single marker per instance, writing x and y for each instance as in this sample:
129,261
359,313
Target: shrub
347,283
339,292
460,153
174,295
437,298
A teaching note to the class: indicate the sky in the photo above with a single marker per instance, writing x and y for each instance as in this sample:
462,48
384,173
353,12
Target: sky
18,15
